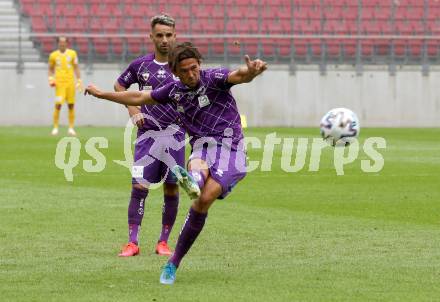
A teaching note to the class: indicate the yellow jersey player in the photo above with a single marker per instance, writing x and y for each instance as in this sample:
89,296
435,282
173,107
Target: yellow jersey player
63,68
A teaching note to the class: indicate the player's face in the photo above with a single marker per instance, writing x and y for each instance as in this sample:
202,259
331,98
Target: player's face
188,71
62,45
163,37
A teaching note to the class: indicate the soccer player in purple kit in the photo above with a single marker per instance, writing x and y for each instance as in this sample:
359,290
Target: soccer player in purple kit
150,72
209,113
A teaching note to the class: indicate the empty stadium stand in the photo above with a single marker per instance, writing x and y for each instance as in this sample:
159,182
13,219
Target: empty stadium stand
274,21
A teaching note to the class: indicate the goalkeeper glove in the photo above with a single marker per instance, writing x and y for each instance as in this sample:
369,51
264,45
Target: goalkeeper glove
79,85
52,81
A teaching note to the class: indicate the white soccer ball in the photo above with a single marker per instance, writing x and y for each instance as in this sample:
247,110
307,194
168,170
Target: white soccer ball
340,127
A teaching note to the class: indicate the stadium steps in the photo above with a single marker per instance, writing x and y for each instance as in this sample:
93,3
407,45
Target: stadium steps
9,29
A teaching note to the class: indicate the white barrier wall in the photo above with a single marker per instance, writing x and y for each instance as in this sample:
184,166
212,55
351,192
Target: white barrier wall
277,98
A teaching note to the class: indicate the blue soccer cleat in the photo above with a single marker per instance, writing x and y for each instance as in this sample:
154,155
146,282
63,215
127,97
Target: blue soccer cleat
187,182
168,275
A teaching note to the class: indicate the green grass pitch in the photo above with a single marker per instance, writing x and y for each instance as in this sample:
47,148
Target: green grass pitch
305,236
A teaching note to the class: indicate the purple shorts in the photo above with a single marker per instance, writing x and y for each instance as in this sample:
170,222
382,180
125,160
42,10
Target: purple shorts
226,166
154,156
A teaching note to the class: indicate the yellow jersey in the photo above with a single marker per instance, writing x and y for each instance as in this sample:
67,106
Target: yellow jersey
64,63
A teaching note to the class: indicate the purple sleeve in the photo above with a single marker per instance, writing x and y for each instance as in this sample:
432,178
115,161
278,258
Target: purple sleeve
219,77
162,94
128,77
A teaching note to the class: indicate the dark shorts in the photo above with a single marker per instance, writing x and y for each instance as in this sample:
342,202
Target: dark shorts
153,158
226,166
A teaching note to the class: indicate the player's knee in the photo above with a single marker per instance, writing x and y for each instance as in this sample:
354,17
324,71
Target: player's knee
140,187
58,106
204,201
71,106
171,189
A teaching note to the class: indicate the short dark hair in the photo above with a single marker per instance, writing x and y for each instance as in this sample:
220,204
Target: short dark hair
182,51
163,19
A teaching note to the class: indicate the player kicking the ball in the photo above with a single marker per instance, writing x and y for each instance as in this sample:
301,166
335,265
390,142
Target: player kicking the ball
209,113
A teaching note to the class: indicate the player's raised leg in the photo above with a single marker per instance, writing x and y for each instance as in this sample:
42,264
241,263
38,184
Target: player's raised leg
187,182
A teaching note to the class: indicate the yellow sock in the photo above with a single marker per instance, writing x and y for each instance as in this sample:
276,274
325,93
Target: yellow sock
71,117
56,117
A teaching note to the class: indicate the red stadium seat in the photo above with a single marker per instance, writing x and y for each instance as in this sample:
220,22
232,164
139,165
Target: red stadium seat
178,11
285,48
432,48
400,47
117,45
415,47
81,45
48,44
349,47
233,49
217,47
38,24
333,48
316,47
251,47
101,45
135,46
207,26
268,47
300,47
382,47
367,48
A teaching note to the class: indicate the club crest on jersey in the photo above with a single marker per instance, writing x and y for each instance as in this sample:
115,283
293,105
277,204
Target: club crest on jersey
146,76
203,101
180,109
161,73
175,78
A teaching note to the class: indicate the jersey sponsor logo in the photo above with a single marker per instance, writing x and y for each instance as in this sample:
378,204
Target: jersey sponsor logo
161,73
218,75
137,171
146,76
127,76
203,101
147,87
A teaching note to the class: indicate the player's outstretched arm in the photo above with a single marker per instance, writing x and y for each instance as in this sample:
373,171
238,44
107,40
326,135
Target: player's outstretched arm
133,98
247,73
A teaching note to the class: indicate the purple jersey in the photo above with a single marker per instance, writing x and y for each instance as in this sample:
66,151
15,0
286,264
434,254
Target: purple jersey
207,110
150,74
